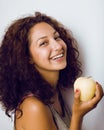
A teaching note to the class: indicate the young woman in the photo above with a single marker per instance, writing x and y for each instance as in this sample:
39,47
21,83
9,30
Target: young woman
38,61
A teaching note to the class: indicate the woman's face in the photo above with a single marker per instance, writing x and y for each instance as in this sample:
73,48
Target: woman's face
47,49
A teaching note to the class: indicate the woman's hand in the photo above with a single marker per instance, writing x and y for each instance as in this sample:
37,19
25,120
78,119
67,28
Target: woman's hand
80,108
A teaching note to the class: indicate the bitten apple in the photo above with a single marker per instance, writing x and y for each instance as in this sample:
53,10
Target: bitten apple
87,87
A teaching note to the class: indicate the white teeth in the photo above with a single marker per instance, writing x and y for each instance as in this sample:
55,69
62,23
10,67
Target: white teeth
56,57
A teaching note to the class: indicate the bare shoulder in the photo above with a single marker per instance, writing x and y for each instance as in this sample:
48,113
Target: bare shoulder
35,115
32,104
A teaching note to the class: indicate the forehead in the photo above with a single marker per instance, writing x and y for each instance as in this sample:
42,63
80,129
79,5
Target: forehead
40,30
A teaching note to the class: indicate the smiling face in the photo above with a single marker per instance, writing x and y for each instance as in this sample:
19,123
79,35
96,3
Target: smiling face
47,49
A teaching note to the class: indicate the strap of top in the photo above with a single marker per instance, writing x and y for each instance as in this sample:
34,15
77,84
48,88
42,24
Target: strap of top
62,122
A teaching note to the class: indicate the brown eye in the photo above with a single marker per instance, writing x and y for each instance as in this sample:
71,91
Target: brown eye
43,44
57,37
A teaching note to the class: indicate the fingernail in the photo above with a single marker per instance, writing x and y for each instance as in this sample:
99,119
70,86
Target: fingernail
77,90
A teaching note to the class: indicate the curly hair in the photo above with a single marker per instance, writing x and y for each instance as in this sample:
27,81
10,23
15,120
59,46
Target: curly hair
18,77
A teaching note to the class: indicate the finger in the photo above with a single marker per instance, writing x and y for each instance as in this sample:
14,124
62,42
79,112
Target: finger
77,96
99,91
98,95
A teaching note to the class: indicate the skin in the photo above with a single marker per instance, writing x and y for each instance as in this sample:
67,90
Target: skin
45,45
48,53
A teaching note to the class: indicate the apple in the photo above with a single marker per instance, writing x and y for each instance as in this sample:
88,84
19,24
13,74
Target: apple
87,87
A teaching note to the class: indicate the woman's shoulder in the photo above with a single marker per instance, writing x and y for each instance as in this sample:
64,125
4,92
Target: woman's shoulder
34,111
32,104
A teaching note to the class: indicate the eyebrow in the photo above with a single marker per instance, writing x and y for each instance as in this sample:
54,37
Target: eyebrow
46,36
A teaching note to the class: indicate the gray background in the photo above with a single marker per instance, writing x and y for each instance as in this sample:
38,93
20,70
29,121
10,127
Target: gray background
86,20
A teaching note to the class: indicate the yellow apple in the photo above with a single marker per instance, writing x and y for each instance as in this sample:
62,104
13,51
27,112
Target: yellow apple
87,87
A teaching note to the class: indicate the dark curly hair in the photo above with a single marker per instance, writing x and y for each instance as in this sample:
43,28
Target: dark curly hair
18,77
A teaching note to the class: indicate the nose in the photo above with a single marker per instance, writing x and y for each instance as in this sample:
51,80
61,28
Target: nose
56,45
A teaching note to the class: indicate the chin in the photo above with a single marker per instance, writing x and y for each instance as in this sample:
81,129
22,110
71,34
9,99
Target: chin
62,66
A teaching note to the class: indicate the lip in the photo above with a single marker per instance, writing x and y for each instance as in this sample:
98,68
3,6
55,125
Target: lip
57,56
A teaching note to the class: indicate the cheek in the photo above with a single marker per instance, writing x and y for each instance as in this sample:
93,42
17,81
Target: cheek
38,55
64,46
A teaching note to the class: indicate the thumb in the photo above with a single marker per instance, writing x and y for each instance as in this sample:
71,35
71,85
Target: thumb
77,95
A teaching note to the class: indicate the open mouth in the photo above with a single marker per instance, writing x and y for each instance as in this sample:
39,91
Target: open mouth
57,56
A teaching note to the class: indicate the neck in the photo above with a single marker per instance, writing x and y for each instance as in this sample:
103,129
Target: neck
51,77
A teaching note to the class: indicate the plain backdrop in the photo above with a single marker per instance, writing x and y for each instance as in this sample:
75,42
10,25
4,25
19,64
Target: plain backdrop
86,20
